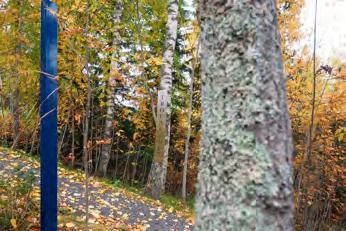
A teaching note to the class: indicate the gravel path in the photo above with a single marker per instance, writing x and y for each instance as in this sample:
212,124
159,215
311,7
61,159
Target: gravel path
106,203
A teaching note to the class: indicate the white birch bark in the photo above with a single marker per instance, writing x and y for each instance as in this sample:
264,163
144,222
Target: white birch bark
188,136
195,55
106,148
157,176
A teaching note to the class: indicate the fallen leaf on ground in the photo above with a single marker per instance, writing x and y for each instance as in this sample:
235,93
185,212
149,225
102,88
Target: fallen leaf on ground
14,223
70,225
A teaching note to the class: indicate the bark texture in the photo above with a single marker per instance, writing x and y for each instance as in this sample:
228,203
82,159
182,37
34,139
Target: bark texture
106,148
157,176
244,182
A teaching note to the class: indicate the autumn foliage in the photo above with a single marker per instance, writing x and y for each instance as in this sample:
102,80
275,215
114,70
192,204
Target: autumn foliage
319,178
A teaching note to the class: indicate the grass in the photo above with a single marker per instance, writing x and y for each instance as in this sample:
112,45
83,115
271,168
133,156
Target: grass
19,204
170,202
21,212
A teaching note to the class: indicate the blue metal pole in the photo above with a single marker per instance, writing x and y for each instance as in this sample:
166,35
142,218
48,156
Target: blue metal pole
48,115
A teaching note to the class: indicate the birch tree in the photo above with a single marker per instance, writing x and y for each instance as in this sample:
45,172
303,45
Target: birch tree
195,52
188,135
106,148
244,180
157,176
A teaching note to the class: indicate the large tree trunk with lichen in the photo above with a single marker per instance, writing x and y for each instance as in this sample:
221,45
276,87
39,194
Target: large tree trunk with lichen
157,176
107,146
244,182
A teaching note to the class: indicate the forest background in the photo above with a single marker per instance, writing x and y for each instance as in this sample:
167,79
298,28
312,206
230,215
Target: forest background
110,56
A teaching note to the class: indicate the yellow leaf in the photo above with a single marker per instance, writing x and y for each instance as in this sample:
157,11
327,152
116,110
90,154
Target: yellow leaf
95,213
14,223
70,225
125,216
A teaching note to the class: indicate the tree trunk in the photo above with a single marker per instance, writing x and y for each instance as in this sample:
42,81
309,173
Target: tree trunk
116,160
143,76
86,147
86,142
187,141
73,140
157,176
2,97
106,148
244,180
1,82
135,164
15,112
126,164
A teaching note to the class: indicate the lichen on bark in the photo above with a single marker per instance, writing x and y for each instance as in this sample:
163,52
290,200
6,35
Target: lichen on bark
244,182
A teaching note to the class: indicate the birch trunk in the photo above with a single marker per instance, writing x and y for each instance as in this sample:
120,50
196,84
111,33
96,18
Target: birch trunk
244,180
157,175
106,148
188,136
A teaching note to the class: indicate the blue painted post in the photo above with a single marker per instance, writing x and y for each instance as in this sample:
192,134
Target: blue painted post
48,114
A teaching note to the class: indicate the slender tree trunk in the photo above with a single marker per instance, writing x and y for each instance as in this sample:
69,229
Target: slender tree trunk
116,160
134,170
86,143
194,43
144,170
310,215
143,76
1,84
34,139
62,140
15,112
158,171
86,151
126,164
2,98
308,149
73,140
244,180
106,148
188,135
313,101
